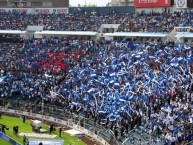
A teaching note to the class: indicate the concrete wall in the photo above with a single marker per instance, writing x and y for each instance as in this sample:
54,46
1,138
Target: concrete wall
104,10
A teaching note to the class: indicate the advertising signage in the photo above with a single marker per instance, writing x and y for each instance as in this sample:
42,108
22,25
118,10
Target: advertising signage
181,4
152,3
36,10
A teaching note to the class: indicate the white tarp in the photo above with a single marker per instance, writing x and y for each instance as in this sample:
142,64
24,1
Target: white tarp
73,132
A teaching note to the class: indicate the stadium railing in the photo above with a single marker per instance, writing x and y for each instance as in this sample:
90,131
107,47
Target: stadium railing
67,116
135,136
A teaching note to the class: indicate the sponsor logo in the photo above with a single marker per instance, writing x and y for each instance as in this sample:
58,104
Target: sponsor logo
181,3
147,1
181,29
20,10
61,11
43,11
152,3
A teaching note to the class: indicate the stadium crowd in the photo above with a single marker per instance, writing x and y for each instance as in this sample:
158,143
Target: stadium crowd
130,22
119,86
57,22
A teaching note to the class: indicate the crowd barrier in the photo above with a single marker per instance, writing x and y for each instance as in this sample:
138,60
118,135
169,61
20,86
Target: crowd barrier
8,139
57,121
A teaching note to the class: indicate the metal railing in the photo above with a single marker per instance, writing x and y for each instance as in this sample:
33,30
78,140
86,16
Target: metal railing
61,113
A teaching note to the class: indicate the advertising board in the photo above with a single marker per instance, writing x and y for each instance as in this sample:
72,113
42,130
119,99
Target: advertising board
152,3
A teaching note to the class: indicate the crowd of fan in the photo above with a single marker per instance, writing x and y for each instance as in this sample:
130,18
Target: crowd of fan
118,85
131,22
156,21
31,66
57,22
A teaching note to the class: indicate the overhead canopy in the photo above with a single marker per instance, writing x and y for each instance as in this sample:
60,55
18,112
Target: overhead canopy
185,35
12,32
78,33
135,34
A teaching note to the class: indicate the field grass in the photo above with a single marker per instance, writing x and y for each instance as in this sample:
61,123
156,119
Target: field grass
4,142
26,127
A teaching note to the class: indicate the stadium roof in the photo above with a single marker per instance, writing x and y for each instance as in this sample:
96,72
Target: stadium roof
186,35
135,34
78,33
12,32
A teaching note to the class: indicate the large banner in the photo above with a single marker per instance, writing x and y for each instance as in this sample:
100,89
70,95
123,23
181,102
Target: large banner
181,4
51,10
152,3
45,142
36,10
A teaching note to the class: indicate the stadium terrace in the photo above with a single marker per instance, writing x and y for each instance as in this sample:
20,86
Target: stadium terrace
126,85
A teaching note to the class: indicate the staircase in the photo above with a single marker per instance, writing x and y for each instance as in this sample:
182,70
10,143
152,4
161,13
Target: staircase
171,36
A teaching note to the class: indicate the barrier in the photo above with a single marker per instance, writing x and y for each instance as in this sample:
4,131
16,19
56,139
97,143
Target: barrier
8,139
58,121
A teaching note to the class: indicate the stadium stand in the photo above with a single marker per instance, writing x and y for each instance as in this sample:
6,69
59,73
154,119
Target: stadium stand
137,94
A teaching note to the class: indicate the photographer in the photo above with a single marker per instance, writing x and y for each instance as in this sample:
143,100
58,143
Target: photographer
3,127
24,139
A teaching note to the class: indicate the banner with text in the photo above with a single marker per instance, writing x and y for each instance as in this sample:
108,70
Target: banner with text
36,10
152,3
45,142
121,44
182,29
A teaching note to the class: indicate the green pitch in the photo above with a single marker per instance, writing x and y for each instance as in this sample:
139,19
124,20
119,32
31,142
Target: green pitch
3,142
26,127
